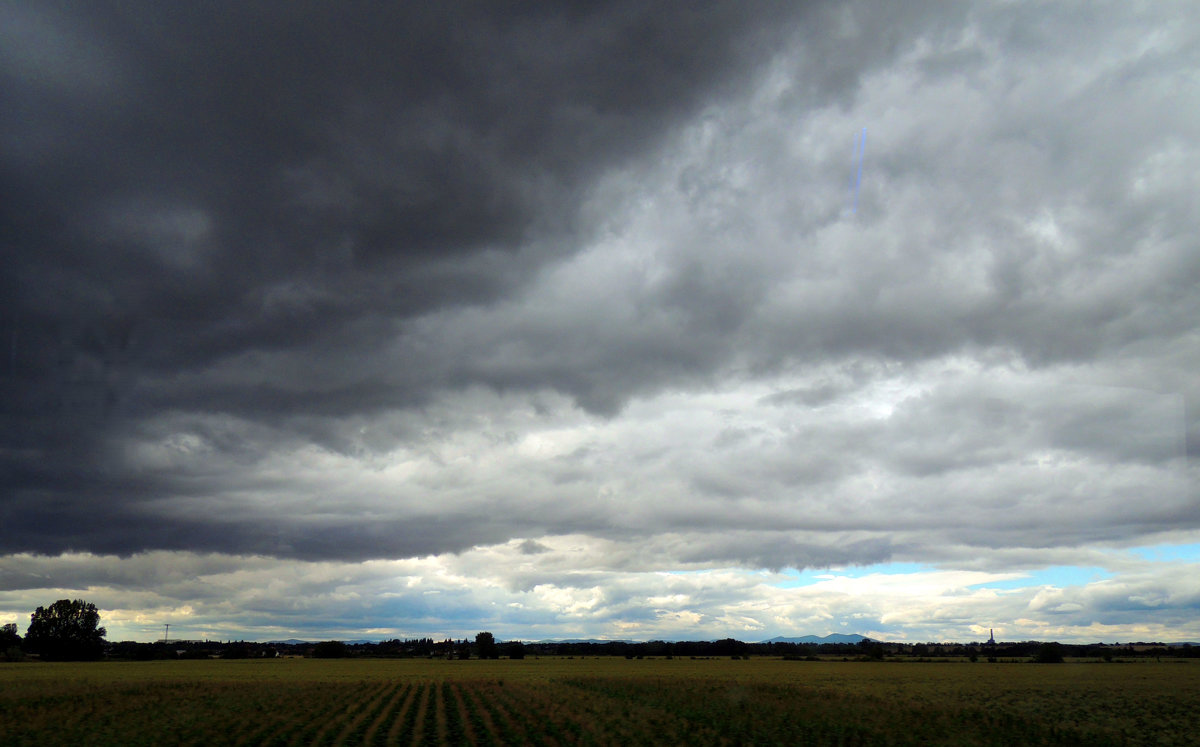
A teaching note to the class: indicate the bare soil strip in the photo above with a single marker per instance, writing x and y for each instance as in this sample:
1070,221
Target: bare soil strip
307,720
410,731
471,734
388,712
481,718
359,722
429,724
452,730
402,724
529,708
512,729
357,706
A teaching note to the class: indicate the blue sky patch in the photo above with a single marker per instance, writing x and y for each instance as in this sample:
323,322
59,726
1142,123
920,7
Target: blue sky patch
1190,552
811,576
1058,575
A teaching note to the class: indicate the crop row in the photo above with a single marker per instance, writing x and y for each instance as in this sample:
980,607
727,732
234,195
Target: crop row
569,710
281,714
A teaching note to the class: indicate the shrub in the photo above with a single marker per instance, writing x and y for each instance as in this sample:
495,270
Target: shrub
513,649
331,650
236,651
1049,653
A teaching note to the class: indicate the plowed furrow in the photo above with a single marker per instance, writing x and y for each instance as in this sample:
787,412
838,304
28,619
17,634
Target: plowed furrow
307,729
487,730
403,730
394,709
351,733
511,731
429,721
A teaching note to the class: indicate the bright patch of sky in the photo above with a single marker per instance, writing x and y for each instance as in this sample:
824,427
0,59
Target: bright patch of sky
1058,576
811,576
1164,553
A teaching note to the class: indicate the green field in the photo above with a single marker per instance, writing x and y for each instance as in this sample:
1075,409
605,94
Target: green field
597,701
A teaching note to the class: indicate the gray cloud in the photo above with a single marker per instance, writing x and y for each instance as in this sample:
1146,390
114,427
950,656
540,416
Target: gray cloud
227,596
246,204
341,286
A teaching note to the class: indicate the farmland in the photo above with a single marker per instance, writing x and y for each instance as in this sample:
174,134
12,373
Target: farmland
596,701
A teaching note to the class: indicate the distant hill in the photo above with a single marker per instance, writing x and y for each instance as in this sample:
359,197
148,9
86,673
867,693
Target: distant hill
831,638
581,640
297,642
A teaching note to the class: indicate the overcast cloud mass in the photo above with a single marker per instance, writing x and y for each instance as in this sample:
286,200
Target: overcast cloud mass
394,319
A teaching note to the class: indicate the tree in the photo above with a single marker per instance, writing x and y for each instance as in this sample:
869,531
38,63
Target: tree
68,631
513,649
10,642
1049,653
486,643
331,650
238,650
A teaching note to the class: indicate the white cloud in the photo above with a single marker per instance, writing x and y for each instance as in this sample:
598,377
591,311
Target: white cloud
490,588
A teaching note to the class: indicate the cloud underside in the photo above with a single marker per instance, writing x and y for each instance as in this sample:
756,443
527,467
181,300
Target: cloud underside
321,288
503,589
753,475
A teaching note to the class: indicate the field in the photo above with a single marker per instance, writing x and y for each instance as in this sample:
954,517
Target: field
597,701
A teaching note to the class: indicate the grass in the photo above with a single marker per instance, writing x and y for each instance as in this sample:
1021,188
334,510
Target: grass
596,701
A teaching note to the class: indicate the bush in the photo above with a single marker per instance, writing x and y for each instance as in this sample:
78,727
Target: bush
236,651
1049,653
10,643
331,650
513,649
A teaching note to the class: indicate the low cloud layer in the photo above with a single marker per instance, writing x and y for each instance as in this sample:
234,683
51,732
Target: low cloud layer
568,590
376,290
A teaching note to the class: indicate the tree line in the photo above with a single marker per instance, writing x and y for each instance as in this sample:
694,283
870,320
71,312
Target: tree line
69,630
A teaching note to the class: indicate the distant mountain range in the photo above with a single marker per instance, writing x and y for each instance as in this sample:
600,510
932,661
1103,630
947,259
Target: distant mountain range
582,640
815,639
831,638
297,642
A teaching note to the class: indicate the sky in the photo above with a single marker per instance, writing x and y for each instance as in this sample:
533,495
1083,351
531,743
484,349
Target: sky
624,320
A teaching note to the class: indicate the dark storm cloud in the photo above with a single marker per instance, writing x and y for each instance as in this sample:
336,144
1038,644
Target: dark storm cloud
337,284
256,178
184,188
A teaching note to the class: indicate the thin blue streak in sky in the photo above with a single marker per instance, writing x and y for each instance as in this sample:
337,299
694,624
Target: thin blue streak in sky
861,147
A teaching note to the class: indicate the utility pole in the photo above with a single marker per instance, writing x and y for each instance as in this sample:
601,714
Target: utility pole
166,630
